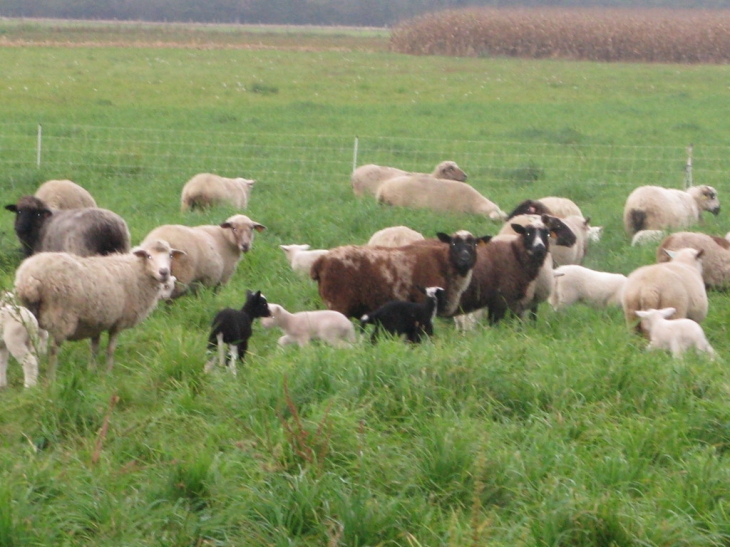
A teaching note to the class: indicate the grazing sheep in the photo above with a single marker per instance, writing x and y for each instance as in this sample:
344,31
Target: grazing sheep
715,255
426,192
395,236
657,208
20,337
301,327
212,252
84,232
414,320
677,335
366,179
76,297
233,328
355,280
574,283
301,258
205,190
676,284
64,194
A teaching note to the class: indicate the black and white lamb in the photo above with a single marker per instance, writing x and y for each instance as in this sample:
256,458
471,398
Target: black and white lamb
414,320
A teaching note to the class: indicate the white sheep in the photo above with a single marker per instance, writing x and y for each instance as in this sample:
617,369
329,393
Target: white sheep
657,208
574,283
561,207
366,179
715,255
301,257
20,337
394,236
301,327
75,297
427,192
212,252
64,194
645,237
676,335
207,189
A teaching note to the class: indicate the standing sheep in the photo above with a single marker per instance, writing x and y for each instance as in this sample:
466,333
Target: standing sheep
64,194
205,190
212,252
76,297
20,337
395,236
301,258
301,327
715,255
366,179
677,335
657,208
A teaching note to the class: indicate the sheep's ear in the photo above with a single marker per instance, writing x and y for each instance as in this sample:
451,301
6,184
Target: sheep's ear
670,254
259,227
519,228
558,274
226,225
140,252
642,313
587,220
666,313
12,208
444,238
176,253
700,253
484,240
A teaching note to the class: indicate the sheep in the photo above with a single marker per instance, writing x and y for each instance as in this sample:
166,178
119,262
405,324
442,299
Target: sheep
366,179
301,327
84,232
676,335
233,328
561,207
394,236
20,337
76,297
206,189
212,252
715,256
355,280
657,208
64,194
410,319
677,283
644,237
570,235
301,257
427,192
574,283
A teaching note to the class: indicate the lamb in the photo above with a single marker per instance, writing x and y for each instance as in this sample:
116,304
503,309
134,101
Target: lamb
64,194
677,335
715,255
206,189
410,319
76,297
427,192
233,328
84,232
644,237
20,337
676,284
574,283
355,280
212,252
657,208
301,327
394,236
301,257
366,179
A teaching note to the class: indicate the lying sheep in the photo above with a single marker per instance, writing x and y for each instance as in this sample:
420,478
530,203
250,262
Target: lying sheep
645,237
205,190
677,335
561,207
574,283
84,232
301,257
414,320
366,179
76,297
715,255
64,194
394,236
426,192
20,337
301,327
212,252
657,208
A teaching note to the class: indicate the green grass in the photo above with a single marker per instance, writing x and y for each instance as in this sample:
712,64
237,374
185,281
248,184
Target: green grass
560,432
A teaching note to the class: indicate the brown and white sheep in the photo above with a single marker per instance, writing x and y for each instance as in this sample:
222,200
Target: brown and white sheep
394,236
715,255
206,189
64,194
366,179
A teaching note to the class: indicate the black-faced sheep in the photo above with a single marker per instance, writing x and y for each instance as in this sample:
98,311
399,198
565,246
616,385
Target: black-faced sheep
205,190
414,320
715,255
301,257
233,328
76,297
676,336
212,252
84,232
657,208
355,280
394,236
366,179
64,194
301,327
20,337
574,283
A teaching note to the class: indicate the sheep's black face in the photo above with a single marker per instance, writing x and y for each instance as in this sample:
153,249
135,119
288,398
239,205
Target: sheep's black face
536,241
28,225
463,253
256,305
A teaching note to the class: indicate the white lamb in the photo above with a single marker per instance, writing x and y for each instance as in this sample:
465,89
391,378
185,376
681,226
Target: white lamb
394,236
366,179
207,189
677,335
20,337
64,194
657,208
301,327
300,257
76,297
574,283
645,237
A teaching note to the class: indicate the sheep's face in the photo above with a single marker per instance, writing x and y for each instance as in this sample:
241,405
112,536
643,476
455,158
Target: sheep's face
706,198
272,320
158,257
239,230
30,216
256,305
535,240
463,249
450,171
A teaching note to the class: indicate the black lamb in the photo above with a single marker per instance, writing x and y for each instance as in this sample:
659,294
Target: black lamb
412,319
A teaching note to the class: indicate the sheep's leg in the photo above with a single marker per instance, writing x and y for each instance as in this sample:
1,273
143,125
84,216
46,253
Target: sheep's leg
53,360
4,356
30,370
95,342
111,346
233,354
285,340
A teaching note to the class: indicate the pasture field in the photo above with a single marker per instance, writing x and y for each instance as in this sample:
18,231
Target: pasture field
561,432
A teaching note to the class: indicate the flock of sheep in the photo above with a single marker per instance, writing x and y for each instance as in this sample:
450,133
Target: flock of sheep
81,277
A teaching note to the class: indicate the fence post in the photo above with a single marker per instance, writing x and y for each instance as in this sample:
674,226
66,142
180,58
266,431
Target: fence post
688,169
354,153
39,146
